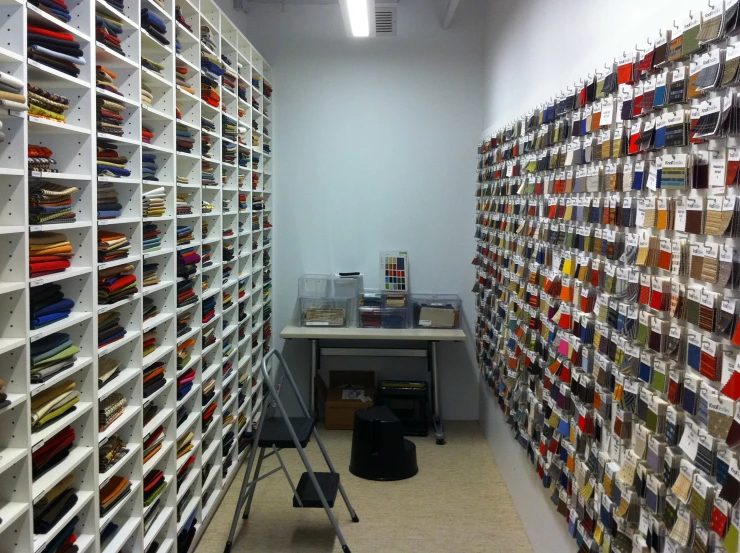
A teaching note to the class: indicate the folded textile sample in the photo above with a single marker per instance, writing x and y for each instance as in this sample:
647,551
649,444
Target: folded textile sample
39,159
152,240
187,262
112,450
110,409
110,162
50,356
147,133
109,206
184,234
209,91
185,141
208,174
49,253
117,488
154,25
41,103
54,505
48,305
55,402
150,275
108,28
55,8
53,451
51,202
153,202
153,442
154,378
109,328
146,94
112,246
108,369
59,51
182,203
109,116
149,167
116,284
105,80
150,341
154,485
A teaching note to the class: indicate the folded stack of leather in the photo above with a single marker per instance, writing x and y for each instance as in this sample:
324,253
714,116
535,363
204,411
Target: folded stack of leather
153,202
187,262
209,309
110,162
227,442
206,142
183,324
65,540
39,159
53,451
228,152
208,174
228,80
244,157
255,181
154,485
208,391
184,350
51,404
55,8
57,50
229,127
181,19
112,450
181,70
209,91
154,25
149,167
228,231
48,305
109,118
242,89
183,83
108,369
112,246
51,202
152,240
185,470
205,38
107,30
54,505
104,80
147,133
152,65
185,293
109,328
187,533
108,205
150,515
154,378
228,252
117,488
185,381
110,530
255,138
207,124
208,415
228,301
228,418
116,284
258,203
185,141
41,103
49,253
153,442
146,94
150,275
185,444
49,356
150,342
227,273
205,258
184,234
110,409
150,308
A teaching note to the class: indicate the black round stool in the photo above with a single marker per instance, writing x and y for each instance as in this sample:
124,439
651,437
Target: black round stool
379,450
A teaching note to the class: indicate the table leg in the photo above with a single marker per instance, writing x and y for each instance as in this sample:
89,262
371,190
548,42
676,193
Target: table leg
314,370
439,431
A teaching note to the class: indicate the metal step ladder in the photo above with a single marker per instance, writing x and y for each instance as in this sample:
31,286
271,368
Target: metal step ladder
315,490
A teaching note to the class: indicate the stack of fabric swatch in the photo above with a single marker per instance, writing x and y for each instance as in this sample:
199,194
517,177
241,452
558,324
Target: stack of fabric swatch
258,203
41,103
117,488
153,441
228,300
204,229
184,382
11,95
185,470
154,378
208,391
151,65
228,80
185,293
227,272
242,90
206,207
109,118
50,252
255,222
209,309
153,202
110,409
51,404
152,240
181,70
241,133
104,80
110,162
243,205
112,246
150,342
51,355
185,141
228,152
266,148
116,284
39,159
108,369
149,167
209,91
52,452
228,252
208,415
244,157
55,8
206,142
150,308
255,181
182,203
154,485
185,445
110,530
4,401
109,328
181,19
184,235
108,205
183,83
205,38
57,50
154,25
107,29
207,124
229,127
205,258
50,203
48,305
228,232
208,174
146,94
112,450
147,133
187,262
54,505
150,275
205,282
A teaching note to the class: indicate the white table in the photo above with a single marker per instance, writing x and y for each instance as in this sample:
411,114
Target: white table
429,336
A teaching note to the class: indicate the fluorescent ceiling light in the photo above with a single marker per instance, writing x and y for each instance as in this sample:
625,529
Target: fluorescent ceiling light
356,14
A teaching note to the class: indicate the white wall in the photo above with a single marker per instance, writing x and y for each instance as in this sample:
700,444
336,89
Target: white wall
535,49
375,150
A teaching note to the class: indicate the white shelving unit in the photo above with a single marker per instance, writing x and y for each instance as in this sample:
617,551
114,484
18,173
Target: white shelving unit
225,348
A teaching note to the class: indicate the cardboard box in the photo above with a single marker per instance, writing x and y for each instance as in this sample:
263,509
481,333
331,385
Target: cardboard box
343,397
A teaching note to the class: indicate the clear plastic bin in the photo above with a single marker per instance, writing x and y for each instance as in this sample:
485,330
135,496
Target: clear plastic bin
395,317
315,286
436,310
324,312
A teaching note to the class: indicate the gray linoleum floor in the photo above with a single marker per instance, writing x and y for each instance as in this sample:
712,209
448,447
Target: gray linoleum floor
457,503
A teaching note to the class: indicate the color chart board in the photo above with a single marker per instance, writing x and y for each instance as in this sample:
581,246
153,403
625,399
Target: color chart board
394,271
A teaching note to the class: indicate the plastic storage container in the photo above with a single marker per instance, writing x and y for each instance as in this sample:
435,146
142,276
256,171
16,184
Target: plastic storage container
324,312
348,287
371,306
315,286
436,310
383,310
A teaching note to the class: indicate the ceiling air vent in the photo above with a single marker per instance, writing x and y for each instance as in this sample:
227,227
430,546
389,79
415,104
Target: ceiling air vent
385,21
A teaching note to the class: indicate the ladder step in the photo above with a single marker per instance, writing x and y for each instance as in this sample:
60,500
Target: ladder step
329,484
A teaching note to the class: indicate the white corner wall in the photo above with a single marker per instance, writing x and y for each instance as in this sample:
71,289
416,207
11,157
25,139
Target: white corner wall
374,145
535,49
